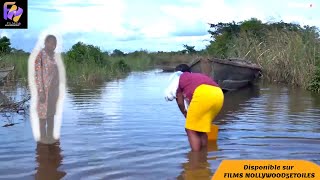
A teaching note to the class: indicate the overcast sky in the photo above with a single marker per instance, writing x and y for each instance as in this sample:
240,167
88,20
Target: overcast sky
161,25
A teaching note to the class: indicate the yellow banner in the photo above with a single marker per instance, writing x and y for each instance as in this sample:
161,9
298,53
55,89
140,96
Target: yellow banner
267,169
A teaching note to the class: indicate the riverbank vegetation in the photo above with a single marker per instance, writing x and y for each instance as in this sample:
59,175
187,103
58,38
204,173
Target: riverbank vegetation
88,64
288,53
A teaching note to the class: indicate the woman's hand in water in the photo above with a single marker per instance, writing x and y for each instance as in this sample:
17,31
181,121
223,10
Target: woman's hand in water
42,97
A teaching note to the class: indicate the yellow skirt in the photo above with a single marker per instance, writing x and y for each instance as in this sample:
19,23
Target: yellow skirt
205,105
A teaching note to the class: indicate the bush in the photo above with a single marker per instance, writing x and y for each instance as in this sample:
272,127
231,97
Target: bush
287,52
81,53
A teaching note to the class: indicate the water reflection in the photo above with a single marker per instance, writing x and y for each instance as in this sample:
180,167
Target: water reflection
315,100
82,94
235,101
212,146
197,165
299,103
49,159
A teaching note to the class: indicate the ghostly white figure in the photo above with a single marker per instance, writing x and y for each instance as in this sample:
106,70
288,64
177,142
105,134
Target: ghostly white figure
47,83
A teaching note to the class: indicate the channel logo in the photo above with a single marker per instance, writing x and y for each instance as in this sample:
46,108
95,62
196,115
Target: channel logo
14,15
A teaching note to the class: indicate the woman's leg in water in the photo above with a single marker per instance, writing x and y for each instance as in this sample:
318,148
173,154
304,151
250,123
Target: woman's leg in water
194,140
43,130
52,101
50,127
204,139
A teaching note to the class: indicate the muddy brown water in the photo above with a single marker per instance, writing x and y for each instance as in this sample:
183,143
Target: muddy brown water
126,130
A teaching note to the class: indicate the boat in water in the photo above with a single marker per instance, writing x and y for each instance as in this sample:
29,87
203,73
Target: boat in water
230,74
4,72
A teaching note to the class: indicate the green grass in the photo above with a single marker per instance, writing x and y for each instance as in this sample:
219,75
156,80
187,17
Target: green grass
90,72
288,53
75,72
20,62
172,59
286,56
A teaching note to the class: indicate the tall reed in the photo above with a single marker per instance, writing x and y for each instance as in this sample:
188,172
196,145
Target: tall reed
286,56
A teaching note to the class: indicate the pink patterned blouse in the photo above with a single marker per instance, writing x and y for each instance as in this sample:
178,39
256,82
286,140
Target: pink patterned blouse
46,65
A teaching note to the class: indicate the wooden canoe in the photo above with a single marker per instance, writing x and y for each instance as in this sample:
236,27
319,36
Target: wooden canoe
4,72
230,74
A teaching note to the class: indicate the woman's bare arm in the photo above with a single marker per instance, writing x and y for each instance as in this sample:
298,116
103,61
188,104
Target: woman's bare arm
180,102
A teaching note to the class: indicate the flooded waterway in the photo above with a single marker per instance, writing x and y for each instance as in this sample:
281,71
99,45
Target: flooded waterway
126,130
